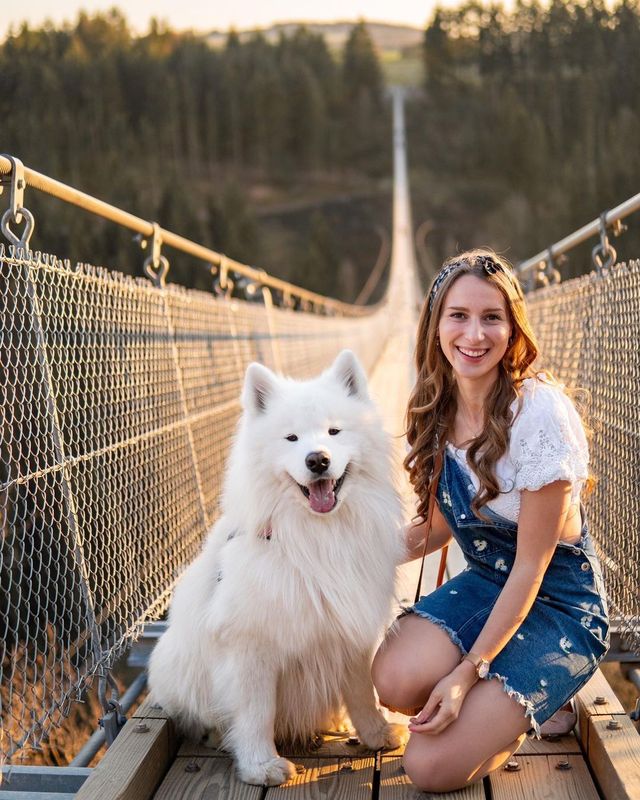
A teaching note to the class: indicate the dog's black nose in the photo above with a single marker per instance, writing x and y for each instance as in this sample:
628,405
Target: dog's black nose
318,461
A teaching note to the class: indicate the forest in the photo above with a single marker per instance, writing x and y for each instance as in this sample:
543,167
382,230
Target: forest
528,126
523,126
205,141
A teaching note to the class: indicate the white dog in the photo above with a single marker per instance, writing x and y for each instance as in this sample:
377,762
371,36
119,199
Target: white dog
273,627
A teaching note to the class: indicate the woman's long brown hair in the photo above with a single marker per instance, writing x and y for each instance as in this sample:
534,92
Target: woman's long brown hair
432,407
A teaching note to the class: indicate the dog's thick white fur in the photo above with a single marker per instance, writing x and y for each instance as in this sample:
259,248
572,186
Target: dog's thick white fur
272,628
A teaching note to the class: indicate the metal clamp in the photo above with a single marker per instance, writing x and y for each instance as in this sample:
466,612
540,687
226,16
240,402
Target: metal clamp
113,720
17,213
604,253
156,266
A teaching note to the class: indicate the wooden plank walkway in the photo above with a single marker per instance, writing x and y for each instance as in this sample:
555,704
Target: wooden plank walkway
147,763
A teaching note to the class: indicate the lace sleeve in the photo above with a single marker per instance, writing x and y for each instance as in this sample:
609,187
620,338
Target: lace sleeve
548,442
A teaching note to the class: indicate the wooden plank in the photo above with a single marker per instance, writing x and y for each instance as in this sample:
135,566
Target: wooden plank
148,709
395,785
135,763
200,778
192,749
539,778
549,747
332,746
614,756
331,778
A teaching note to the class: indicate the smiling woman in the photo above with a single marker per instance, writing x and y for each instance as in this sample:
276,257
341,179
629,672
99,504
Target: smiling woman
501,449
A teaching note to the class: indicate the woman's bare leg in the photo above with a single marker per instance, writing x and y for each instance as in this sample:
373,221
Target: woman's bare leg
414,656
491,726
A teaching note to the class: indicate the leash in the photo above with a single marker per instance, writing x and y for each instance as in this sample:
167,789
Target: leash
433,489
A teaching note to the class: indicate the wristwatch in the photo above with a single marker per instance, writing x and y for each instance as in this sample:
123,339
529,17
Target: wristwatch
481,664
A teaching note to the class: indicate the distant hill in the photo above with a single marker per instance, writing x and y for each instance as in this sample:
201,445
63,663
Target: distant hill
385,36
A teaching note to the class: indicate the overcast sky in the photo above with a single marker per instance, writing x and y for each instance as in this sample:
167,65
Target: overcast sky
215,14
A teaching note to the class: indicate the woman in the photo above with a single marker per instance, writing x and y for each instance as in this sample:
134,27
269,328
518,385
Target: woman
502,646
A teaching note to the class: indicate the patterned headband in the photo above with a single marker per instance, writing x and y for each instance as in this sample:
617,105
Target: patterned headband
488,264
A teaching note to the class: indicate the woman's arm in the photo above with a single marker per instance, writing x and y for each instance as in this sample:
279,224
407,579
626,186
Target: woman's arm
415,533
540,524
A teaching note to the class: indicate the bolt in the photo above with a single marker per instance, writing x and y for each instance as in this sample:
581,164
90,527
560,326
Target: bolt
353,740
300,768
512,766
563,764
600,701
141,727
613,725
192,767
20,183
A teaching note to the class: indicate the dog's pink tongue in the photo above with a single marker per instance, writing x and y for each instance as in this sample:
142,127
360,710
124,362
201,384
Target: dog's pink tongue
321,496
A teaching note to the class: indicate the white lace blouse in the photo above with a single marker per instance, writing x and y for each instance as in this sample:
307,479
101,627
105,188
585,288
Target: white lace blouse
547,444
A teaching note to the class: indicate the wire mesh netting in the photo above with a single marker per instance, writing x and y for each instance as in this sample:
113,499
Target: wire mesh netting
589,329
118,402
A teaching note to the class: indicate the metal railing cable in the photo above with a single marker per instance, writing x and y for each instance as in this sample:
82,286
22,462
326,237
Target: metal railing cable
543,263
153,236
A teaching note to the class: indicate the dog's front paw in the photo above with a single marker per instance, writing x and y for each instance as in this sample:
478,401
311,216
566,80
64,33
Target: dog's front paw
387,736
267,773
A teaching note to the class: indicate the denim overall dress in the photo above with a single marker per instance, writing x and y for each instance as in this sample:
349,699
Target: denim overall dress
565,634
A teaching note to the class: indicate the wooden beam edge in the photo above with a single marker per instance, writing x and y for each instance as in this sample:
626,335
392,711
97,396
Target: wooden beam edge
135,764
614,756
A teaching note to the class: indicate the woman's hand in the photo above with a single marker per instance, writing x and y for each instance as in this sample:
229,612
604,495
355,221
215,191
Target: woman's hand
445,701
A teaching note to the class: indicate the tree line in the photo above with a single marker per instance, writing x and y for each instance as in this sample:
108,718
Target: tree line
529,125
173,130
525,127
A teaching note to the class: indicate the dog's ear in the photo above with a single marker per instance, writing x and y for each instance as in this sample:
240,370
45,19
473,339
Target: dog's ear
259,387
346,369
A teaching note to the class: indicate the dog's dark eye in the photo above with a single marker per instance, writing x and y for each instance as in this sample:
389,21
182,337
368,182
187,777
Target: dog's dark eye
292,437
334,431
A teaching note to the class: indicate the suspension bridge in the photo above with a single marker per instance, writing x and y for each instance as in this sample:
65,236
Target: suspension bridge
119,397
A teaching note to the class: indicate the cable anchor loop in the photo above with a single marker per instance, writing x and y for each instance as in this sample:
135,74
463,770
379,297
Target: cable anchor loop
16,213
223,283
604,253
155,266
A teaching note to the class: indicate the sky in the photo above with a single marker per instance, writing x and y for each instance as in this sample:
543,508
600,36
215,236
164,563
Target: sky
206,15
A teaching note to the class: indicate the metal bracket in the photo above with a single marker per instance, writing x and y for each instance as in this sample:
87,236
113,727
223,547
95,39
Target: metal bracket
112,722
17,213
156,266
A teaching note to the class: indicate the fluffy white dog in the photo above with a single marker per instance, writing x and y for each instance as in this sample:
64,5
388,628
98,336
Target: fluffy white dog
273,627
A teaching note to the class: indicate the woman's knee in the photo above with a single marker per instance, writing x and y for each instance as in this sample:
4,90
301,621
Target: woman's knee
431,770
393,683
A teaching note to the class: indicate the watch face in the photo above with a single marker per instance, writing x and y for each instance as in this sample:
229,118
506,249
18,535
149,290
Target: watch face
483,669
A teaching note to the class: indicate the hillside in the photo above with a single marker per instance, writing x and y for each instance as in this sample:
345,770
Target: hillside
385,36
